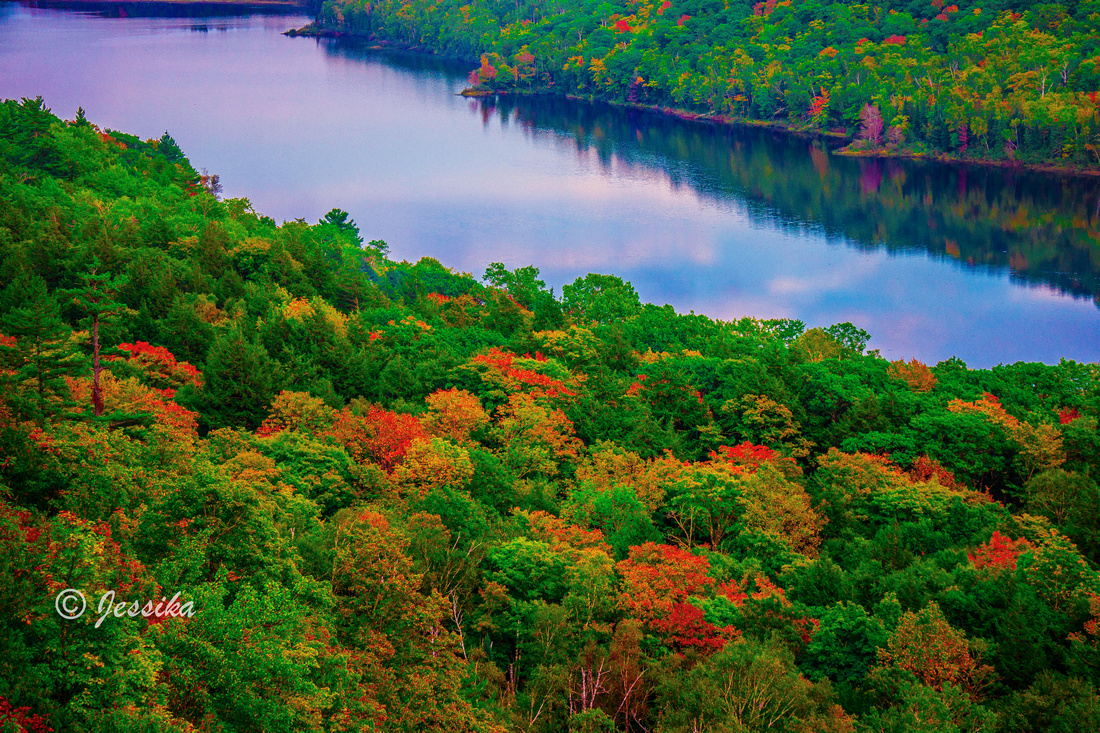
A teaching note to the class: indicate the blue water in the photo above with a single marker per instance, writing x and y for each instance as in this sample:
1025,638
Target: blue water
934,261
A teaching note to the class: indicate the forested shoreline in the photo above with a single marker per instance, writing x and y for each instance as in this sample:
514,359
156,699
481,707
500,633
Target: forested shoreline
997,82
404,498
1039,228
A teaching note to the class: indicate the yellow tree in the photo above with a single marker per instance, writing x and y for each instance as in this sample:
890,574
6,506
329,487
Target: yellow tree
536,438
454,414
926,645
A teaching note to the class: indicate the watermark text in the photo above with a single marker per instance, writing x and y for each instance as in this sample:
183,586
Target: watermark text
71,604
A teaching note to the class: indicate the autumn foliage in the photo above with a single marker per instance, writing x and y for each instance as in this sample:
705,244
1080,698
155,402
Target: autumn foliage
999,552
606,466
158,362
658,580
914,373
403,498
296,411
685,627
519,374
380,435
927,645
454,415
657,577
20,720
926,469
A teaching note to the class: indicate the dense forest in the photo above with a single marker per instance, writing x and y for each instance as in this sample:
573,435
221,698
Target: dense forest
999,80
402,498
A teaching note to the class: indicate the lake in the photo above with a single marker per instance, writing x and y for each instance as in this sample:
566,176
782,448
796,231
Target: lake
990,265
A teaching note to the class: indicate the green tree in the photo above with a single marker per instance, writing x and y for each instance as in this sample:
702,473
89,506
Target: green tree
600,298
846,645
96,297
239,381
744,687
42,355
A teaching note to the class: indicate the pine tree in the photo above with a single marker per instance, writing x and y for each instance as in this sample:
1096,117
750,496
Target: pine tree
96,297
939,134
169,149
239,381
41,356
917,122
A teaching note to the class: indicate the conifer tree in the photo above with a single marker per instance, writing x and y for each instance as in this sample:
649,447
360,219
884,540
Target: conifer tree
239,381
96,297
41,356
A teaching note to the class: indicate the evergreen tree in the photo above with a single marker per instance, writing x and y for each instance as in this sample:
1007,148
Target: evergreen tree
169,149
939,135
96,297
239,381
41,356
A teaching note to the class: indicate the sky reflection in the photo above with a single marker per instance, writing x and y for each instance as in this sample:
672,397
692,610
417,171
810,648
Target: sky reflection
726,224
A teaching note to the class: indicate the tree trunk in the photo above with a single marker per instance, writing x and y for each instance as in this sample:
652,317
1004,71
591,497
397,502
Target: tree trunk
97,391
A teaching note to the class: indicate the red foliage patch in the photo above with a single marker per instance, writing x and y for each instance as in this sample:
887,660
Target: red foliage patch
925,468
170,608
381,436
1000,552
495,358
685,627
515,378
656,577
375,520
745,456
22,720
160,360
1068,415
819,103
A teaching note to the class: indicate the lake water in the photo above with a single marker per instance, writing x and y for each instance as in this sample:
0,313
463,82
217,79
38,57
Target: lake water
989,265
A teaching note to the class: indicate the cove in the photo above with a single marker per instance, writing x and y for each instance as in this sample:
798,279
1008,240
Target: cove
990,265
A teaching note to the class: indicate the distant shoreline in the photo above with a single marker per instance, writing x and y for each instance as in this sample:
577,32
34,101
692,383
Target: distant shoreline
314,31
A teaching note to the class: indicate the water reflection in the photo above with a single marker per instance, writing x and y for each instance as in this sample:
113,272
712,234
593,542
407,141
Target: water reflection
171,9
1042,229
723,222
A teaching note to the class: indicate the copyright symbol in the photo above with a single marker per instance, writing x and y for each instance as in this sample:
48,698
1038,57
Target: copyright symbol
70,604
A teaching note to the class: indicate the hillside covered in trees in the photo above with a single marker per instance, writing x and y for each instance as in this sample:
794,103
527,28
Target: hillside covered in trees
998,80
402,498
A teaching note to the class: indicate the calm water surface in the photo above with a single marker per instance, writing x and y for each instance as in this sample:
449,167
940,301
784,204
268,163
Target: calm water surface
934,261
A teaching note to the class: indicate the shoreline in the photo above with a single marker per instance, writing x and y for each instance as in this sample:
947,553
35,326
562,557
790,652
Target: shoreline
313,31
1011,165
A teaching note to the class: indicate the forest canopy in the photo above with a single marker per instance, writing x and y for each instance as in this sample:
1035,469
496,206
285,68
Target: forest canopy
405,498
999,80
